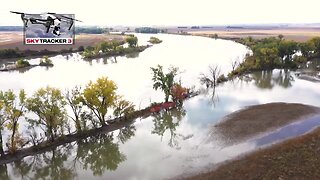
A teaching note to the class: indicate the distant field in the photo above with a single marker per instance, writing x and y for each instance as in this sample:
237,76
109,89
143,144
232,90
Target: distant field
15,39
297,34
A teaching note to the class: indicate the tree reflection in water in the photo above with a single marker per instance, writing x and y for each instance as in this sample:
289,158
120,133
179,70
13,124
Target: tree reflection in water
4,172
98,154
126,133
269,79
169,121
49,165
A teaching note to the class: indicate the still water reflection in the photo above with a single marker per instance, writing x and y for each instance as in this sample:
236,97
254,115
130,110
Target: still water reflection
171,143
163,145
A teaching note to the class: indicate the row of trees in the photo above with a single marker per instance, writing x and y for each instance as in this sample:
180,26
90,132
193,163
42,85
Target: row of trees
97,154
89,109
91,30
149,30
270,53
114,47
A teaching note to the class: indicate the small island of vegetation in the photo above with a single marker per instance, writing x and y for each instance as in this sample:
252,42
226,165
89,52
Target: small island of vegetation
114,48
149,30
45,61
154,40
23,63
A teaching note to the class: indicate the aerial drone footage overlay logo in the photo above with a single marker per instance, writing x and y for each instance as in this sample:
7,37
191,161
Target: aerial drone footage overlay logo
48,28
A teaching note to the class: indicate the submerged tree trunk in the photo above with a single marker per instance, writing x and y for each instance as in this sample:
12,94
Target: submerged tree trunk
50,133
1,144
78,125
103,121
13,145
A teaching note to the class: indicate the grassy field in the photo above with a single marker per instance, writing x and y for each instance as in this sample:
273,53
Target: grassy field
296,34
15,39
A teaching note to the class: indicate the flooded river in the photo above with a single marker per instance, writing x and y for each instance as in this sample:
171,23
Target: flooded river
165,145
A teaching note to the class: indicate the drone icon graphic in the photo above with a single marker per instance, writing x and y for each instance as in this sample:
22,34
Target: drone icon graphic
49,20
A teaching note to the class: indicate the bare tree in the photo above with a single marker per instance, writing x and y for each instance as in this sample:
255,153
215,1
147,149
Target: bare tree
74,100
210,79
235,63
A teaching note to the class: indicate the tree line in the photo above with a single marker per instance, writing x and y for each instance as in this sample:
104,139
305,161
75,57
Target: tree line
276,52
113,48
56,113
90,108
17,53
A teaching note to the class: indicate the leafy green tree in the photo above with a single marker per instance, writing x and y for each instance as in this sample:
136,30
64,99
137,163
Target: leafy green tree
13,110
104,47
316,44
123,108
22,63
45,61
306,49
115,44
49,105
132,41
155,40
267,58
88,53
286,50
75,101
99,97
164,81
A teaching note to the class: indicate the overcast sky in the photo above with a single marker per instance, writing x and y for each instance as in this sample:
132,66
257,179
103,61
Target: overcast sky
169,12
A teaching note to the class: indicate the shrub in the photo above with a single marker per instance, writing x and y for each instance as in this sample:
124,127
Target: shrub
222,79
45,61
22,63
80,48
300,59
155,40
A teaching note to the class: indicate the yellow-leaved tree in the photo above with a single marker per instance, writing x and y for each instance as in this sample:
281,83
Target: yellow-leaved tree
99,96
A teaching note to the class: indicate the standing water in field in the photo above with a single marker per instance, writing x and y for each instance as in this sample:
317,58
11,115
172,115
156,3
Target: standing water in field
163,145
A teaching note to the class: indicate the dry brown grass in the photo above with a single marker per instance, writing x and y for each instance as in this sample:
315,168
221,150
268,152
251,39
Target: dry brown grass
296,34
16,40
244,124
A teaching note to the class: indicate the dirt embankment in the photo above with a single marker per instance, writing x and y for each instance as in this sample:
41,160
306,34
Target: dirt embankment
296,34
293,159
244,124
296,158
